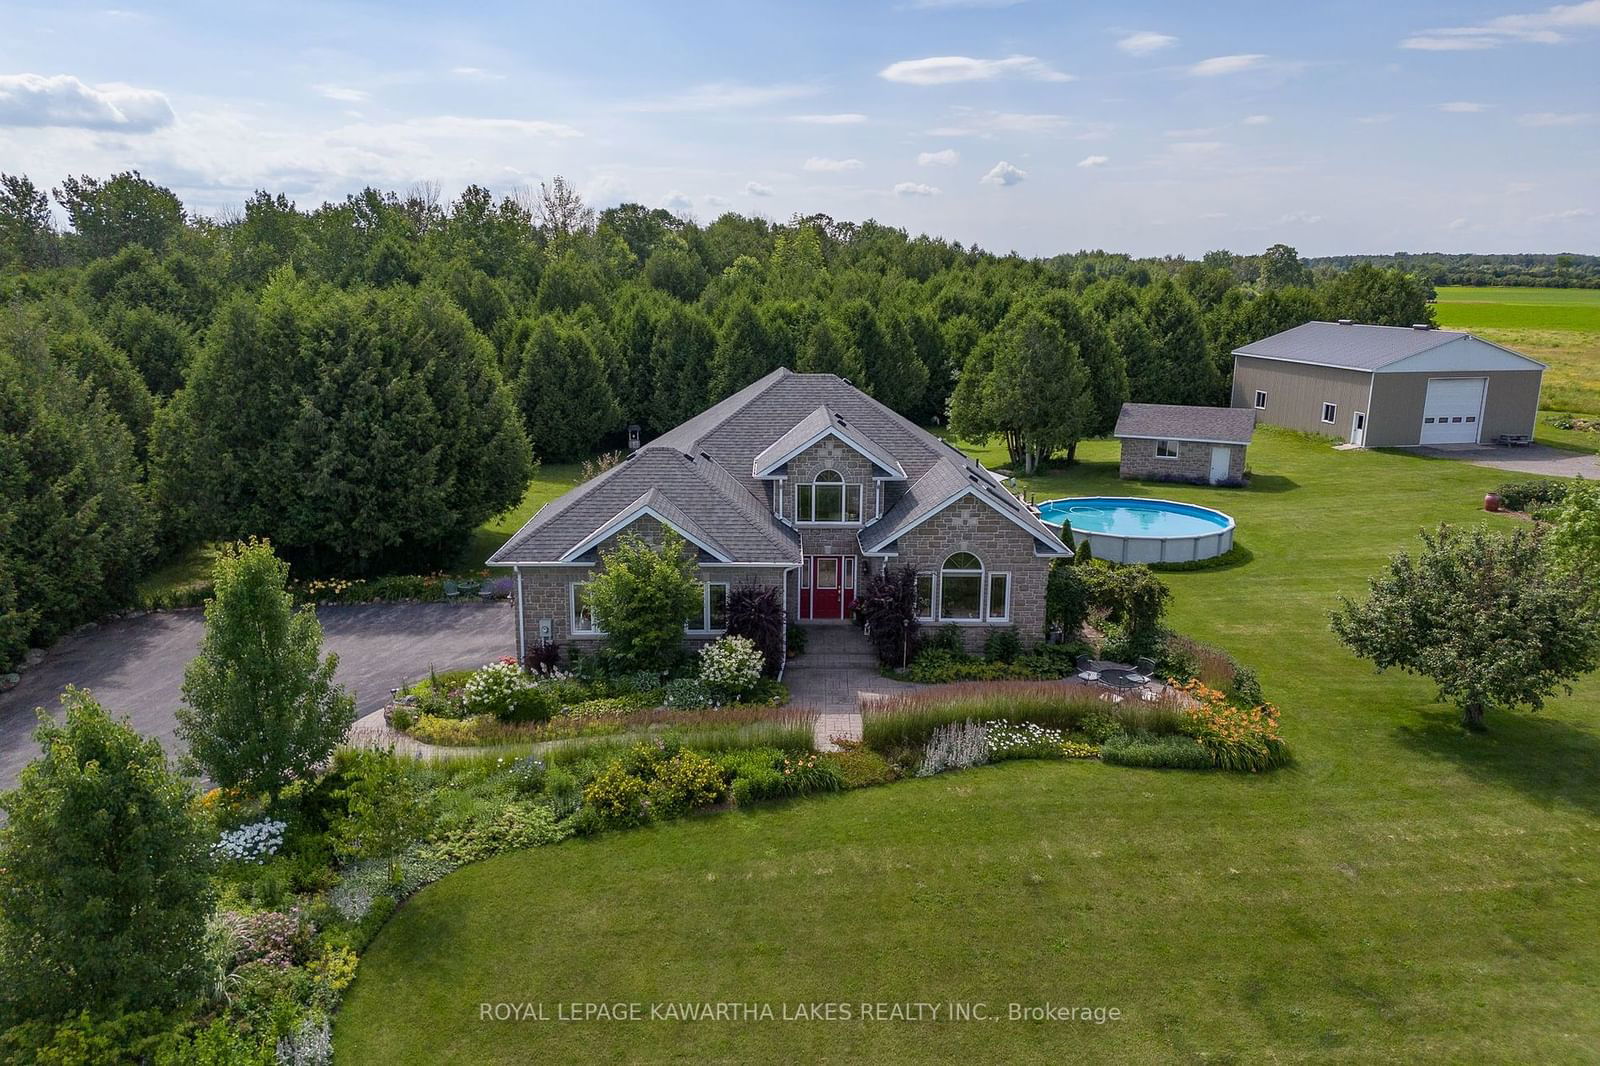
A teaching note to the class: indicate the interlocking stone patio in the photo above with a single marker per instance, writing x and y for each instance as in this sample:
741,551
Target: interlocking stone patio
837,673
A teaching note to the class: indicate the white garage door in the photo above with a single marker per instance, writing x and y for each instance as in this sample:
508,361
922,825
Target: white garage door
1450,413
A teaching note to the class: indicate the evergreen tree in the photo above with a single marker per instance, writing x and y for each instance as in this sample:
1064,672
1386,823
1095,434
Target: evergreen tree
107,371
1107,374
75,530
104,875
826,351
28,239
261,708
1187,375
894,374
743,353
680,359
158,344
562,390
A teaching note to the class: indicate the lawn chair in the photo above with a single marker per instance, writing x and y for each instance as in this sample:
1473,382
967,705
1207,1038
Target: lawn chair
1143,667
1086,670
452,591
488,591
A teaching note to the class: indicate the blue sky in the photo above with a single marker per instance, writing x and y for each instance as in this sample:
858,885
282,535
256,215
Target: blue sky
1035,126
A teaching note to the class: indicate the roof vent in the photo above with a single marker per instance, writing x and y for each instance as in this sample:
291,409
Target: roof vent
1421,325
1346,321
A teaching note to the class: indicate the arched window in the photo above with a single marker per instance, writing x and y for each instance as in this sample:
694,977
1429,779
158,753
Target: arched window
961,587
827,499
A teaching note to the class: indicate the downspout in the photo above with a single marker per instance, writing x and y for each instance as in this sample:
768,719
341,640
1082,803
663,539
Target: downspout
522,631
783,660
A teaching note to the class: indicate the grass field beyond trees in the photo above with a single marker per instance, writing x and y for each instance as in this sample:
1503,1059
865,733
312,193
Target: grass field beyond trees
1560,327
1406,892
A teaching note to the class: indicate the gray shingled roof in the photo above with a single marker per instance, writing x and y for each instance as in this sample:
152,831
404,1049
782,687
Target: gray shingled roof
1169,421
820,421
704,467
1352,346
702,496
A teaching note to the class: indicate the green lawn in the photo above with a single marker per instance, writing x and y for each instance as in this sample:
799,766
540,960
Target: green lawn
1560,327
1405,892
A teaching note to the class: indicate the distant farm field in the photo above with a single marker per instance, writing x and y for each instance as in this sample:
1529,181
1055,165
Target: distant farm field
1560,327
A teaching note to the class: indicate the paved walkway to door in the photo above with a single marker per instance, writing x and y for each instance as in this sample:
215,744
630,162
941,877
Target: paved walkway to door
837,673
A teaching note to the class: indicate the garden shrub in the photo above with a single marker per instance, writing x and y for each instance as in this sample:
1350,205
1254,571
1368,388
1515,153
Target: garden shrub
755,612
542,657
513,826
562,791
1022,740
956,746
861,767
1066,597
1163,752
495,689
683,782
448,732
1002,645
888,604
767,773
1134,600
796,640
1530,495
730,668
687,692
617,798
640,598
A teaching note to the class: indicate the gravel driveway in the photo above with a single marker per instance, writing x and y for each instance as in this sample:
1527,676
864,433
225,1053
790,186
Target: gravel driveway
135,666
1530,459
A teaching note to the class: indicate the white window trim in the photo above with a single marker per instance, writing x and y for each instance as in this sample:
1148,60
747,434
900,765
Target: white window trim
988,596
1330,418
983,588
1175,448
1261,400
844,499
572,613
705,609
933,595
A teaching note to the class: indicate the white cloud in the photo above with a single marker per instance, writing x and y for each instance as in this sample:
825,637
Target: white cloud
969,122
755,188
1145,42
1458,224
720,96
1003,173
1094,161
915,188
1303,217
948,157
1552,118
1210,68
1255,120
63,100
342,93
1553,25
844,118
825,165
946,70
1569,215
678,203
1463,107
476,74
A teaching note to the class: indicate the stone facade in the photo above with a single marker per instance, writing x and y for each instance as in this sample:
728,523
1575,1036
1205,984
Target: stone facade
546,590
1002,548
1193,464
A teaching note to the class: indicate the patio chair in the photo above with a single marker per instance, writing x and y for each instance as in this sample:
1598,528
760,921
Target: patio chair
488,591
1142,669
1086,670
452,591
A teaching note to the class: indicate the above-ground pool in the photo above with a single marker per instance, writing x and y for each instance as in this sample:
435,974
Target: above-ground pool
1126,529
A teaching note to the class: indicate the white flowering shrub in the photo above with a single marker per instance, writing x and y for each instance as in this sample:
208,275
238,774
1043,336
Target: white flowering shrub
955,747
250,843
493,689
731,667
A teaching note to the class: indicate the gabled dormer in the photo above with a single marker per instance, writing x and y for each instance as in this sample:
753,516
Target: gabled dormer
825,471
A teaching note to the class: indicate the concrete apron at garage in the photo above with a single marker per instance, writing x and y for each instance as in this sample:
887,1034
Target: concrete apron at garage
1528,459
135,666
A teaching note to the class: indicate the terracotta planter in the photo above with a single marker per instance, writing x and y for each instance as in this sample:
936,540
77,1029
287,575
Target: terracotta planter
1491,501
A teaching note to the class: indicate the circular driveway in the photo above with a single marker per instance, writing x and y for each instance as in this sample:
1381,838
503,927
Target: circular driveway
135,666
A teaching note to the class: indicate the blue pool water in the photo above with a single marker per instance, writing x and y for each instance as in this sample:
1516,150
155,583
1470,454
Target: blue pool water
1126,516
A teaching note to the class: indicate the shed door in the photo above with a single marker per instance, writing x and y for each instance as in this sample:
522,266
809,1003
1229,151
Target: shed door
1452,410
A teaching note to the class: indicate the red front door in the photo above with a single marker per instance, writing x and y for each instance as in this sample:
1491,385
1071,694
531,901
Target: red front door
827,586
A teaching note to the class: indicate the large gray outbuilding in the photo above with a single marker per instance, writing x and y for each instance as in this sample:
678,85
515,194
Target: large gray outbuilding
1388,386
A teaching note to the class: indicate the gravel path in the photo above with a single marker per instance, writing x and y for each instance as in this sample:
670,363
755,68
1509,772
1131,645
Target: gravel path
1532,459
135,666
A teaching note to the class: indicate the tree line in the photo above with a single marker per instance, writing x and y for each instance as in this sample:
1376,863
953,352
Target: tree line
366,381
1560,270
